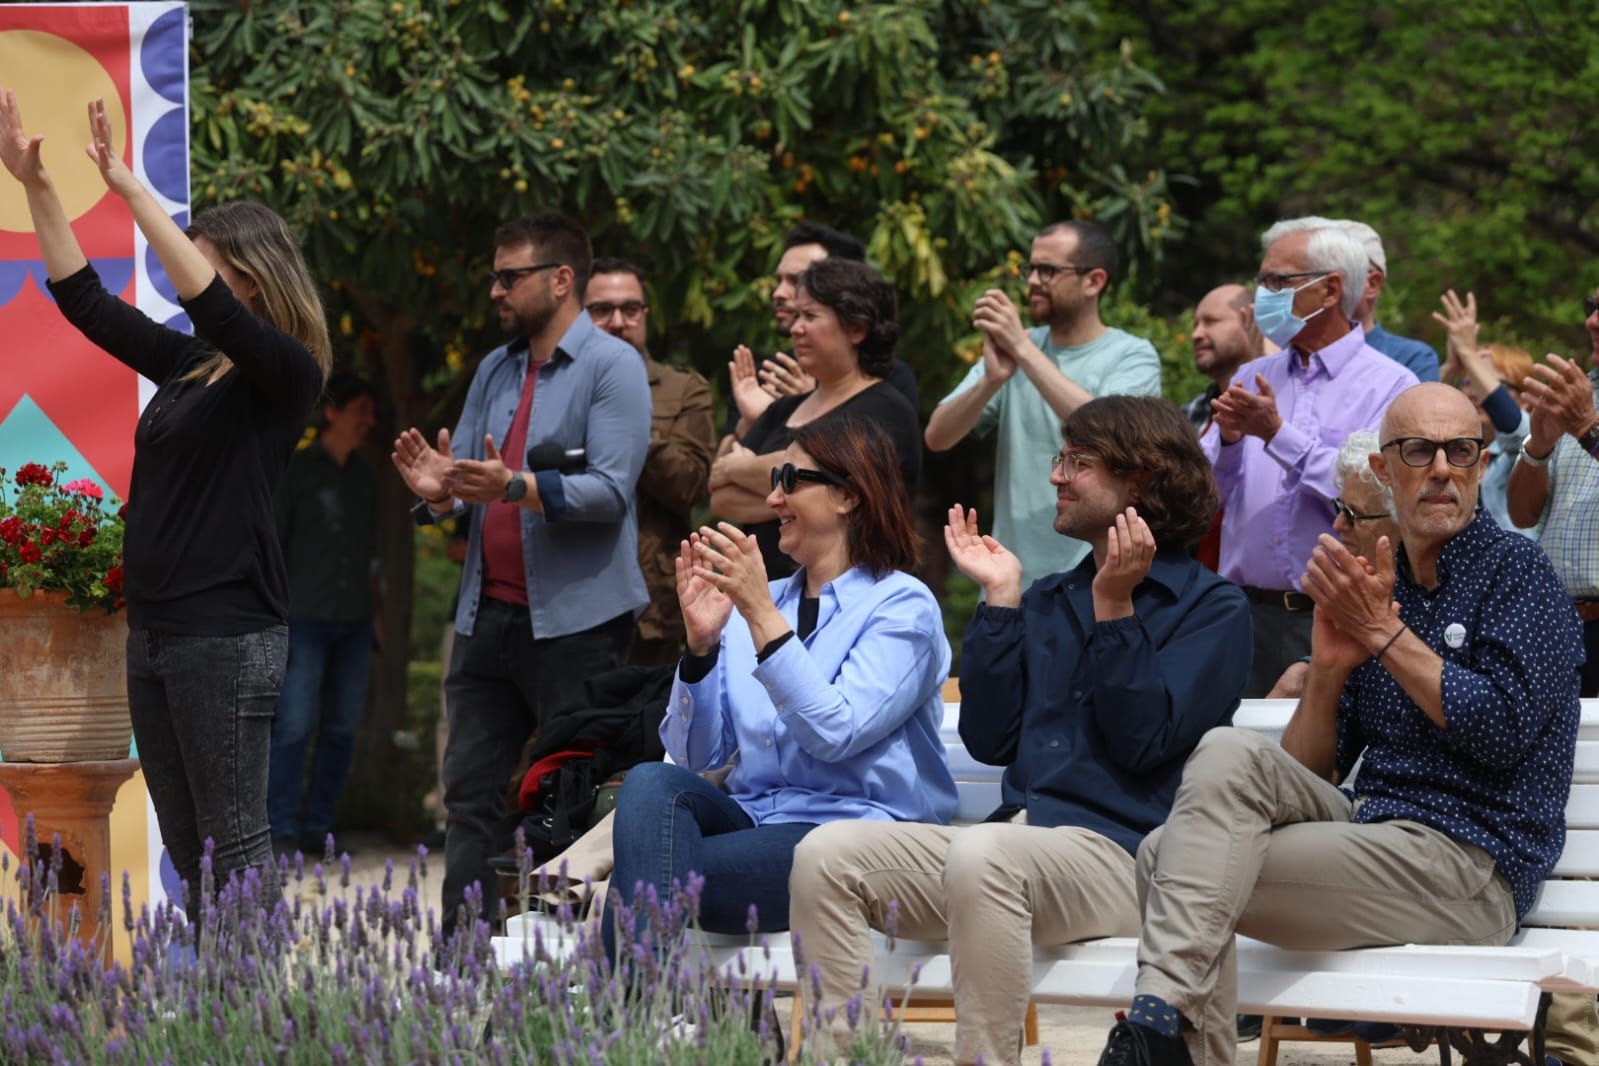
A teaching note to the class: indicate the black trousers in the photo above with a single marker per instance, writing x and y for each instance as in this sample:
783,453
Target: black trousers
1282,637
1589,683
502,685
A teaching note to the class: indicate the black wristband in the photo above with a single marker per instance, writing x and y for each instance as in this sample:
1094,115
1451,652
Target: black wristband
1396,636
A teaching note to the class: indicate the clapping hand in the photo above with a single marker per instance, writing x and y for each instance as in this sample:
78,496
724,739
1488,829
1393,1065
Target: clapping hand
705,607
1000,322
102,150
983,559
1562,398
748,395
424,469
480,480
1353,593
781,375
1240,412
997,366
1129,551
1459,320
18,151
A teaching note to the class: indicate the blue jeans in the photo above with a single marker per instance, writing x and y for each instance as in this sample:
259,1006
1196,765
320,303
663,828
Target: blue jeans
202,716
670,821
325,687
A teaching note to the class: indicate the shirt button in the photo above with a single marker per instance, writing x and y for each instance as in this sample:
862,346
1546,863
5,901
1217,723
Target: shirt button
1054,743
1077,693
768,742
1071,586
685,701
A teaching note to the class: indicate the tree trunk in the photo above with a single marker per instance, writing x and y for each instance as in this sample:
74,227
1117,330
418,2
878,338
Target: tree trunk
393,765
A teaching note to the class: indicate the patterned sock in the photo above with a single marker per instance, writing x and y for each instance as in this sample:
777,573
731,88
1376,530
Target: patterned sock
1152,1012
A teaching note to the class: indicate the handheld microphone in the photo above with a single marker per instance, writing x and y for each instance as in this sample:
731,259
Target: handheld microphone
548,455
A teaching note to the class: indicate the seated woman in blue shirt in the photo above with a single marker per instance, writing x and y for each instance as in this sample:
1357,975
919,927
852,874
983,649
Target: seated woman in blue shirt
824,694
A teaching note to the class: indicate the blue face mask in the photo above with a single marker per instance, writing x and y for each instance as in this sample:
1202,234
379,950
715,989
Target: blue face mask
1274,313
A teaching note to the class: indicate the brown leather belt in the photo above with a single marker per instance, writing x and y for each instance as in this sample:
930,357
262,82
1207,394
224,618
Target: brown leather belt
1287,599
1587,610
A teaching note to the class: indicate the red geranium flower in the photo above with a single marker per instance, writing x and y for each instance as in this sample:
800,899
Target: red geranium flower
47,536
30,552
113,579
84,487
86,538
34,474
11,529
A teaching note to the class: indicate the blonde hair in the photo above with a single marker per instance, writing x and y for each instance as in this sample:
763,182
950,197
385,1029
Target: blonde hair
1512,364
254,240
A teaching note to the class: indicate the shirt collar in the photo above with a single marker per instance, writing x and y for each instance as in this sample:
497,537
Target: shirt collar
1462,547
1172,570
850,583
1336,355
579,333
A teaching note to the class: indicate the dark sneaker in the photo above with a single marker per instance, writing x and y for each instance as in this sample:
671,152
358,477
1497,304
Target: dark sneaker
1374,1032
1248,1027
1139,1045
1332,1026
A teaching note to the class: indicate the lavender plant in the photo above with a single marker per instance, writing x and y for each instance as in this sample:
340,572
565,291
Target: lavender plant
331,973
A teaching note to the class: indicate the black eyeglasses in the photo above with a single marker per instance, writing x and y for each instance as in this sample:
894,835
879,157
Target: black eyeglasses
508,277
1589,306
788,475
1350,515
1419,451
1046,271
1279,282
600,310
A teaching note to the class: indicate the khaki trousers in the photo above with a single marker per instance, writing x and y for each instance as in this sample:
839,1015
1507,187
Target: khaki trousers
992,890
1573,1030
1258,844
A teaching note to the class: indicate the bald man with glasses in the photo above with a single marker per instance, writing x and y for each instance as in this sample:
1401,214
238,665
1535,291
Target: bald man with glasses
1448,665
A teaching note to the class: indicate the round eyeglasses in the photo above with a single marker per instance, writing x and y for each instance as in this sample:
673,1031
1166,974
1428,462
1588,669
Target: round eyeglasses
1072,463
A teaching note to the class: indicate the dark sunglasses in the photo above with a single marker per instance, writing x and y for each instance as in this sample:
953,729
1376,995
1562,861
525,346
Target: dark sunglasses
1419,451
788,475
1047,271
1350,515
508,277
600,310
1589,306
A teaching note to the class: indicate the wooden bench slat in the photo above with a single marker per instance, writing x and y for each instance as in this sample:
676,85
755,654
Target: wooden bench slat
1570,904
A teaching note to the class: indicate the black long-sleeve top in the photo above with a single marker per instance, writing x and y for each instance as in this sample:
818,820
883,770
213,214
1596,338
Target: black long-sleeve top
201,554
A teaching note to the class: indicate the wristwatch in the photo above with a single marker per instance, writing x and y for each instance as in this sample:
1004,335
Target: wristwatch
516,488
1589,440
1531,459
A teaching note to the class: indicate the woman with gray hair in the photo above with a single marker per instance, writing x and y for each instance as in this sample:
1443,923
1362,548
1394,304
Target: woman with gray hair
1363,513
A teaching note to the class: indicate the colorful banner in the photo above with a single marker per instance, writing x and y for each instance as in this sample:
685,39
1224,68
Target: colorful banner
62,398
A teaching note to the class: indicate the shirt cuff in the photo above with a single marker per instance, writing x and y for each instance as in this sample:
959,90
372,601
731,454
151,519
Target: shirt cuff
771,647
696,668
1503,410
426,516
1288,445
552,494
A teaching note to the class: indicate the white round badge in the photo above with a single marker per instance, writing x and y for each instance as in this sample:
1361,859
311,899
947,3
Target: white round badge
1454,634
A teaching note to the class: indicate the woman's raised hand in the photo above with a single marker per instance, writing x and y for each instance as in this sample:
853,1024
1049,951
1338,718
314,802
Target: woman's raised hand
706,608
983,559
102,150
18,151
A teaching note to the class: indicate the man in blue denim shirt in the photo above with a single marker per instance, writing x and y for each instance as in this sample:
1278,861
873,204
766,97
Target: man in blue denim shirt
551,583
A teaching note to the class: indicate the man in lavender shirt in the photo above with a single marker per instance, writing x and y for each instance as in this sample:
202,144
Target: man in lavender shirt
1277,428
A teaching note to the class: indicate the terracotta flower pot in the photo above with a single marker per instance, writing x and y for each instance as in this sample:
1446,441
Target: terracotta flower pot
63,681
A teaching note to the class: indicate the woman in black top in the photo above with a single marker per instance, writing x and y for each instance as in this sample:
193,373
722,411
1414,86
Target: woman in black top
203,575
844,333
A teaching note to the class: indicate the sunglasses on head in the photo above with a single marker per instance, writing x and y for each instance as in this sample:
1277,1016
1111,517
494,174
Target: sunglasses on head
788,475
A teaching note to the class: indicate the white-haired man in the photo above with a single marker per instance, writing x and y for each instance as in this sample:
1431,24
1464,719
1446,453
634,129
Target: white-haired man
1416,356
1277,428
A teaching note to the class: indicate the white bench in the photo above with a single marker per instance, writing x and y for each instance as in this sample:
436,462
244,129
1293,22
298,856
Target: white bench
1493,989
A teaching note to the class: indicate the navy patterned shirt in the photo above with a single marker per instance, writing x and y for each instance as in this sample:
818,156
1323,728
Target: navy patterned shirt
1499,774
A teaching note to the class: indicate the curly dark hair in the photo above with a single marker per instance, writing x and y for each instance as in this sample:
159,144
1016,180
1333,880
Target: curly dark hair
1150,442
880,527
859,296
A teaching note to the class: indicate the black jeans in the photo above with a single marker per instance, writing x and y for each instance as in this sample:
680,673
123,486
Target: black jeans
202,716
502,685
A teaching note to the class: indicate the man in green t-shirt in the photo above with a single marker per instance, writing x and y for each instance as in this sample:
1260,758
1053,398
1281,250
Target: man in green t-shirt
1069,358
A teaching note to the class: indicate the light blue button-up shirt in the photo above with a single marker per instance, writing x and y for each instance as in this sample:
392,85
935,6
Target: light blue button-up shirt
844,724
580,556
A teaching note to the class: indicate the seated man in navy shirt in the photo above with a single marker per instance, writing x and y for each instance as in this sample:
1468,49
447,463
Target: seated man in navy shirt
1450,666
1091,689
